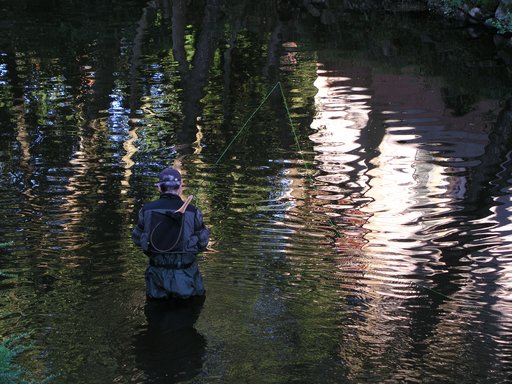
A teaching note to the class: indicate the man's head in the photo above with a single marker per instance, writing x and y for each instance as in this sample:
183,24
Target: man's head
169,180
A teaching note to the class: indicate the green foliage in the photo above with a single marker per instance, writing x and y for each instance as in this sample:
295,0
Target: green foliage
11,373
6,244
503,26
450,7
447,7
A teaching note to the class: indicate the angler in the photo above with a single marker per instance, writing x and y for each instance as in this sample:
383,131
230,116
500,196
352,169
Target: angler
171,232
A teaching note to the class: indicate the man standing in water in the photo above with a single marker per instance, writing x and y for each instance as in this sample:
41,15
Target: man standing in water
171,233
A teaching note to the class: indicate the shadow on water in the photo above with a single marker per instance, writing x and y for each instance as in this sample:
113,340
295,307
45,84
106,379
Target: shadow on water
170,349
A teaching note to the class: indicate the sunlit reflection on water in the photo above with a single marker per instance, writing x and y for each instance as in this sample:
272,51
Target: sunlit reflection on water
364,257
395,209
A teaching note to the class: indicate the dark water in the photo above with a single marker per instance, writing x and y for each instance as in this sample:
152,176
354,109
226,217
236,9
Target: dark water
369,242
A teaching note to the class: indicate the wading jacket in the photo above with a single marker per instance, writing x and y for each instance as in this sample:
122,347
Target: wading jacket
176,273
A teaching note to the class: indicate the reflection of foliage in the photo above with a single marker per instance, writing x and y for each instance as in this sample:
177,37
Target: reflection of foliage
451,8
459,101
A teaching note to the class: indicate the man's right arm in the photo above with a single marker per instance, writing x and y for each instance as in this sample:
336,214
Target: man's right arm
201,231
138,229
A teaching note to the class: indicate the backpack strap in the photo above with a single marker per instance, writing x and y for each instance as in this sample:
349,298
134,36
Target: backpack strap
183,208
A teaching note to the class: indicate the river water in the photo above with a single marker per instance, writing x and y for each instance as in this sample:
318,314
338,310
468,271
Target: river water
354,176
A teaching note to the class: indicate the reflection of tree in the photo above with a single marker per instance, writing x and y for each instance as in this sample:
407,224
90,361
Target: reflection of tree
485,184
459,102
60,103
428,314
147,18
484,180
236,21
194,75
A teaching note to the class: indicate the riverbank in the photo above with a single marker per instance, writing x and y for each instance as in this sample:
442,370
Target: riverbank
492,18
493,14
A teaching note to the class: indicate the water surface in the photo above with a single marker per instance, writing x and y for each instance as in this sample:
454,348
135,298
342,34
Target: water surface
359,220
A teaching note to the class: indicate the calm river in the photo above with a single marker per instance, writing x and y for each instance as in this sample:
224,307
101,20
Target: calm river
360,219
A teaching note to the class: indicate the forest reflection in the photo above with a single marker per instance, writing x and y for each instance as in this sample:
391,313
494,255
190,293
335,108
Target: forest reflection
367,241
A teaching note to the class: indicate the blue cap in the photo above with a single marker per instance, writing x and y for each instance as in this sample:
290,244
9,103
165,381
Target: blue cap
169,177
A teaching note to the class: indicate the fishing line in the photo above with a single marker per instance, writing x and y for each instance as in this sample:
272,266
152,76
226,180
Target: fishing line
331,222
293,127
245,124
226,149
295,135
